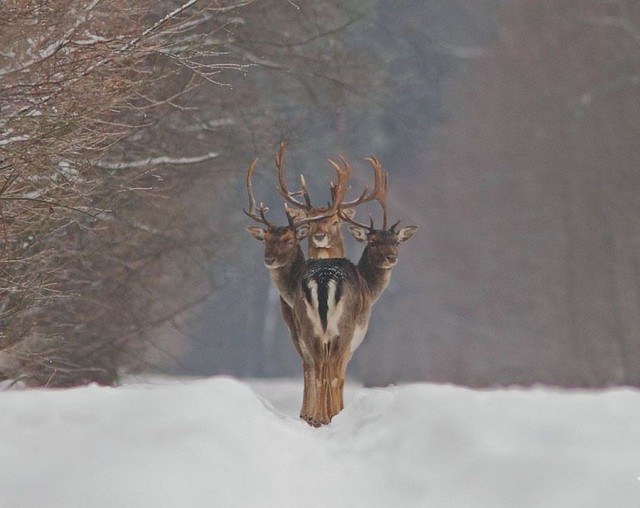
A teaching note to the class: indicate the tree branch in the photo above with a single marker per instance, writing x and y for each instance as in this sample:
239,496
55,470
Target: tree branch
153,161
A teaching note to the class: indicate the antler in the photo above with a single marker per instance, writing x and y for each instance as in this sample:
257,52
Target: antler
282,183
379,193
338,191
261,209
379,189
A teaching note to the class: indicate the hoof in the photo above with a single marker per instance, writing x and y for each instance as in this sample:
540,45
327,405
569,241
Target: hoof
315,422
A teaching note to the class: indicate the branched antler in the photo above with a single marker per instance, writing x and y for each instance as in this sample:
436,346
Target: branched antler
282,183
379,193
338,192
261,209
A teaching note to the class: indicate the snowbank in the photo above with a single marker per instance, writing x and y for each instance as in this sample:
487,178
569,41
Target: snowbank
224,443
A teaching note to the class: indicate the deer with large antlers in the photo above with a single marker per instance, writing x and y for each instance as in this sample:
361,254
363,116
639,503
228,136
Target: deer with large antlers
337,298
285,260
325,236
330,300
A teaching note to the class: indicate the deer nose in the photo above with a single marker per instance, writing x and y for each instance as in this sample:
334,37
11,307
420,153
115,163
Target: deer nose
319,236
269,260
391,258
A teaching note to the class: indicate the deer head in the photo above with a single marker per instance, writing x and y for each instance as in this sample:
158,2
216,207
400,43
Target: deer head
381,252
325,236
383,244
281,242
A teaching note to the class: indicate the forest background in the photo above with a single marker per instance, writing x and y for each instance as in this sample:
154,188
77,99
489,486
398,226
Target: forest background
509,129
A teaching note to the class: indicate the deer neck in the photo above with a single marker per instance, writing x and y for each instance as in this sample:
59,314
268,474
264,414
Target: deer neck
286,276
376,277
334,251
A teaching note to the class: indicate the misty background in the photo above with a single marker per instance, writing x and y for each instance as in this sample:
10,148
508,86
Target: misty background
509,129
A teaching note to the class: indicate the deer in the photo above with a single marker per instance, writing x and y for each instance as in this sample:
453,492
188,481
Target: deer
285,259
325,235
330,299
333,304
380,254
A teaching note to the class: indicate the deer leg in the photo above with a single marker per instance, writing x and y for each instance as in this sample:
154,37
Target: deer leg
329,385
344,361
339,361
335,389
309,393
321,414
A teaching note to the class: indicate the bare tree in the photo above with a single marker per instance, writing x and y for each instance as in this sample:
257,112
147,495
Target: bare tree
81,82
113,116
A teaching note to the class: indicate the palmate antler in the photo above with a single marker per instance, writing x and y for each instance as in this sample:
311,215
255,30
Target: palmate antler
338,191
257,212
379,194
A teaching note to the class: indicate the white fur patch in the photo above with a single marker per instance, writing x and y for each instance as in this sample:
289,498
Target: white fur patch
334,312
358,336
312,308
322,244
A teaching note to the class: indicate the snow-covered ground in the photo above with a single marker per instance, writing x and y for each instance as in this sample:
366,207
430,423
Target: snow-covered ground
225,443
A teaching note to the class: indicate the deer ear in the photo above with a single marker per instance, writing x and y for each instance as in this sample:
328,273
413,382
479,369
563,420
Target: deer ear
406,232
359,233
302,231
349,213
256,232
296,213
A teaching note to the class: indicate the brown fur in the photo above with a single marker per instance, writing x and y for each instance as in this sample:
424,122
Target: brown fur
325,355
325,236
329,351
324,241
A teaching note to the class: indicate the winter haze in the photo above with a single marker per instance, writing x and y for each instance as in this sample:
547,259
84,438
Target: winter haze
502,363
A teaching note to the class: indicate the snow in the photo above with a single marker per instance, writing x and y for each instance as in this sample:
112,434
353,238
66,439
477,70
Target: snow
222,442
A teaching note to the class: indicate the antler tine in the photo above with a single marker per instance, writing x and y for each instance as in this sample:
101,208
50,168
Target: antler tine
261,209
379,193
338,191
282,183
346,218
304,192
381,187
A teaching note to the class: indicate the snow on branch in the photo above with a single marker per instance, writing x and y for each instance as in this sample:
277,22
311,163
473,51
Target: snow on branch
153,161
56,45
